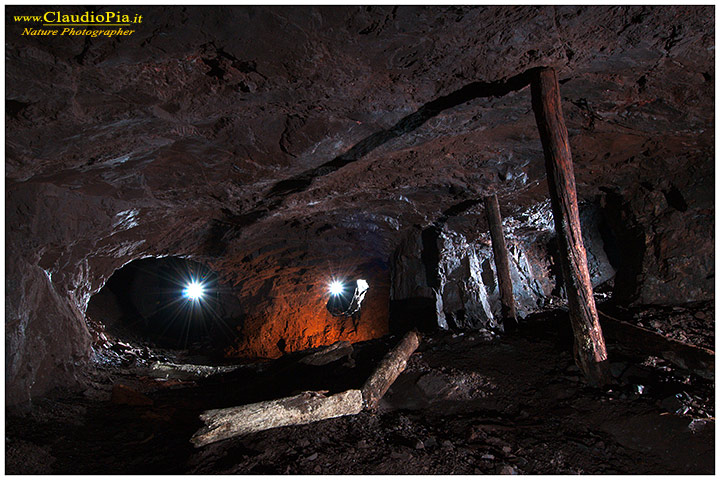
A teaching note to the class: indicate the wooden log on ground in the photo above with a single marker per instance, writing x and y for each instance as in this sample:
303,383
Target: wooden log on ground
590,351
302,409
389,369
502,264
698,360
329,354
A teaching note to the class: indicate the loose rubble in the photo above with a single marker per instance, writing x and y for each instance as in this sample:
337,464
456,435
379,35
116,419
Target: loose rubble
466,404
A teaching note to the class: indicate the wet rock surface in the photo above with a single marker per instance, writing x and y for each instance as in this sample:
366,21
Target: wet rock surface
467,403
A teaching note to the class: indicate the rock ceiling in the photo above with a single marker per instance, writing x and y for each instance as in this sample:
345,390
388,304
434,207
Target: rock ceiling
261,139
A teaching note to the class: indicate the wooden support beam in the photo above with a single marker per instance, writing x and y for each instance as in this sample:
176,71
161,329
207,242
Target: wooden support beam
590,352
502,264
389,369
308,407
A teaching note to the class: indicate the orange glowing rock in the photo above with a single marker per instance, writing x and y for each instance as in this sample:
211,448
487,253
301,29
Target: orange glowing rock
298,319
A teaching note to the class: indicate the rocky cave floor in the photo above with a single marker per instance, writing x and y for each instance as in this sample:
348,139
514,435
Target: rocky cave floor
468,403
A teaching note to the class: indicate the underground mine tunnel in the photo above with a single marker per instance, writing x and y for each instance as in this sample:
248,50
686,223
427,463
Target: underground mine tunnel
360,240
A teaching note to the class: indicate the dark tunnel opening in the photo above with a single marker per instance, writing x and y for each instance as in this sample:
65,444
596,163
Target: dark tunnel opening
169,302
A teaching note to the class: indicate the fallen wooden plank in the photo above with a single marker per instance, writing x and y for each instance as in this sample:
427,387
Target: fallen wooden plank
308,407
329,354
389,369
698,360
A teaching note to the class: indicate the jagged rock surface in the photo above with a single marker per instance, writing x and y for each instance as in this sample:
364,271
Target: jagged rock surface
465,292
278,144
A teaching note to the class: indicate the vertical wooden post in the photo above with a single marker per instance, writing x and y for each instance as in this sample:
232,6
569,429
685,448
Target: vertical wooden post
502,264
590,352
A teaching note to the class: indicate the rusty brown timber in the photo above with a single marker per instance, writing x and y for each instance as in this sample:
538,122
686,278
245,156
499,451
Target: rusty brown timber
492,209
590,351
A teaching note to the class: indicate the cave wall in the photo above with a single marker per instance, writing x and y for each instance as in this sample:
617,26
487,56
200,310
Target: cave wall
666,234
31,346
324,135
465,293
287,313
62,245
656,244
